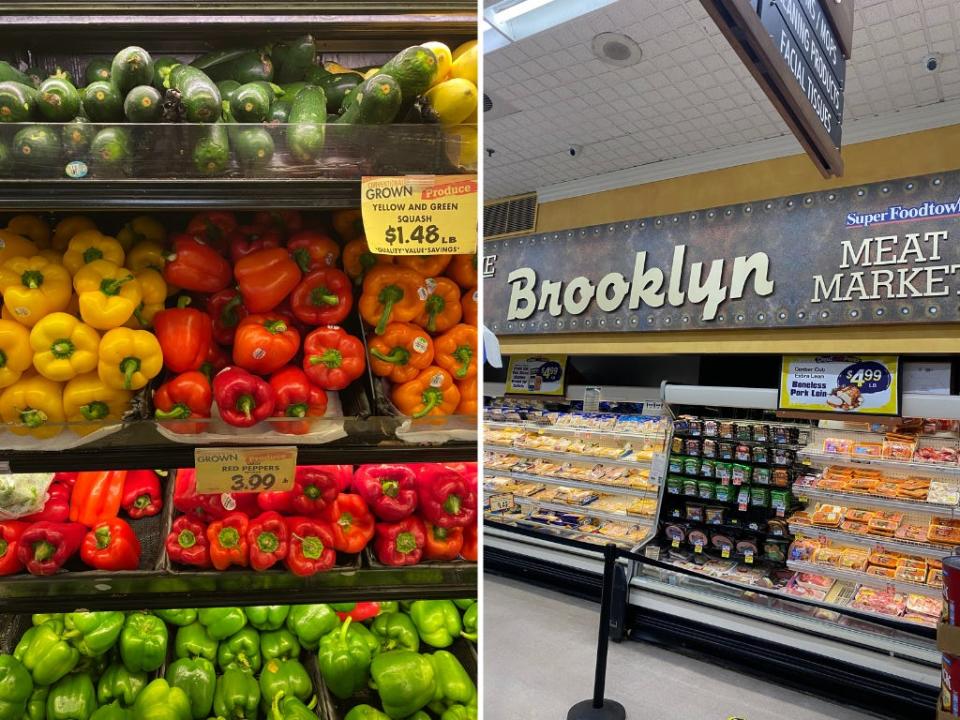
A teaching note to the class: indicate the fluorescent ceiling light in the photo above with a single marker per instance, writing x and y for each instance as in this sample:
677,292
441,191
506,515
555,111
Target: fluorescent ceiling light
517,20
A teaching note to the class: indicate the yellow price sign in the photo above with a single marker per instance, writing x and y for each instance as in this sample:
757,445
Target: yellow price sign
420,214
253,469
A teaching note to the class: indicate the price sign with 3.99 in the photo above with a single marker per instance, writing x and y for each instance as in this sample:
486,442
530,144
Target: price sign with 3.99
420,214
258,469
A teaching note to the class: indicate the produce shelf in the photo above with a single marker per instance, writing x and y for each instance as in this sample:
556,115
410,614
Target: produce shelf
861,578
872,541
612,489
864,500
567,457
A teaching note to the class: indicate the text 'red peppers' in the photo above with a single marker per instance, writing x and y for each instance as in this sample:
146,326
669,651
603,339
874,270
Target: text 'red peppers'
265,343
324,297
400,543
228,541
243,399
268,540
389,490
311,546
352,522
332,358
187,542
196,266
296,397
447,498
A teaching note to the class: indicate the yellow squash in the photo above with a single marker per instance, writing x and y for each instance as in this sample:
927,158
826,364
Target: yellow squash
444,60
63,347
465,65
34,287
452,101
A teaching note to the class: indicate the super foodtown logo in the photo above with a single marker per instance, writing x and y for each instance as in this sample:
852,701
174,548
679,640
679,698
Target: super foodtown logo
927,210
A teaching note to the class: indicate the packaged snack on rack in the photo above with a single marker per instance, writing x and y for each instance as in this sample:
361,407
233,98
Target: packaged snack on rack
707,468
742,453
706,489
711,428
741,474
694,512
762,475
709,448
725,450
899,447
715,515
689,487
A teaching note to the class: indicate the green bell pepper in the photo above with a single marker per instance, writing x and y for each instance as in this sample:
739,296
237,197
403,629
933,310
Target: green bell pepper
97,666
16,687
344,658
222,622
193,640
113,711
291,708
460,712
177,616
279,645
311,622
93,633
437,621
287,676
471,622
198,679
41,618
120,684
389,606
37,704
72,698
395,630
464,603
241,650
143,642
159,701
419,715
405,681
237,695
453,682
45,654
267,617
365,712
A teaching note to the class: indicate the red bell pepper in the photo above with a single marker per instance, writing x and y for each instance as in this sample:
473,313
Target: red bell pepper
10,533
446,497
352,523
212,227
197,267
277,501
226,310
315,487
401,543
360,612
268,540
311,546
332,358
228,541
243,399
296,397
469,549
208,506
188,395
67,478
46,546
265,278
389,490
97,496
141,494
265,343
187,542
217,360
248,239
286,221
57,506
442,543
324,297
185,335
313,250
111,545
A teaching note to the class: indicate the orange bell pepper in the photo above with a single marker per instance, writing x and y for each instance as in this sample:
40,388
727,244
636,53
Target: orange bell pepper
442,308
432,392
96,496
401,352
391,294
358,260
426,265
463,270
469,302
456,351
348,224
265,278
468,397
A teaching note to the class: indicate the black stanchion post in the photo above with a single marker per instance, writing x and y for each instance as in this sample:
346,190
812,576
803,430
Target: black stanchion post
599,708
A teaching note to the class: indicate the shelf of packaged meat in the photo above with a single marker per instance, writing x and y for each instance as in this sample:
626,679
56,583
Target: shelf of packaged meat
835,497
577,430
531,478
627,461
874,542
860,578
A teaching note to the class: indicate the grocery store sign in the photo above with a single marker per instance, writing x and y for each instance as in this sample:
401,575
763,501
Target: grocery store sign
849,385
256,469
420,214
874,254
536,374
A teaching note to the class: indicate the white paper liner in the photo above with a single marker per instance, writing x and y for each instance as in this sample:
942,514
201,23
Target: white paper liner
415,431
66,440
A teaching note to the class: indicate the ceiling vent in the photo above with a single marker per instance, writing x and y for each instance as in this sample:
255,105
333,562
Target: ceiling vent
616,49
495,107
510,216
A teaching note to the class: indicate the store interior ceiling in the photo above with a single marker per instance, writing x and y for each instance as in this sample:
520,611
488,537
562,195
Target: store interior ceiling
563,123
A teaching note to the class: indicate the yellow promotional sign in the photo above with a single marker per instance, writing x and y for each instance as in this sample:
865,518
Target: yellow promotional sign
253,469
536,374
420,214
843,384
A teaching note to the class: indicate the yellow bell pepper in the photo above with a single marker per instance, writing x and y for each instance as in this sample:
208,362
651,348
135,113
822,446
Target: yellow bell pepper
129,358
52,255
142,228
154,298
15,355
90,245
34,287
33,406
13,245
108,294
88,401
63,347
147,254
68,227
33,227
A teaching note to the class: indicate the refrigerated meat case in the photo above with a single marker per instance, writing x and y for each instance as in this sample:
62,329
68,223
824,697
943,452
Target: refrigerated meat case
836,642
363,31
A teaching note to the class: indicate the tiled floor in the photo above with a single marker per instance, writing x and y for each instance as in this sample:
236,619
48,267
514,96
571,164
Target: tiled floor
539,660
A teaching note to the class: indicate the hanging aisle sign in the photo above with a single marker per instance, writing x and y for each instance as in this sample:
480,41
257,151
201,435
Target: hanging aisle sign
536,375
873,254
855,385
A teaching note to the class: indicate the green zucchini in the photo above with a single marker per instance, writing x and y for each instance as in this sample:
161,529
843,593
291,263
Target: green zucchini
315,75
250,67
57,100
62,74
16,101
251,102
37,75
211,153
377,102
227,89
76,137
414,70
111,148
143,104
131,66
219,57
97,69
308,117
254,147
198,93
336,87
292,60
291,89
6,160
9,72
161,68
37,146
280,110
102,102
